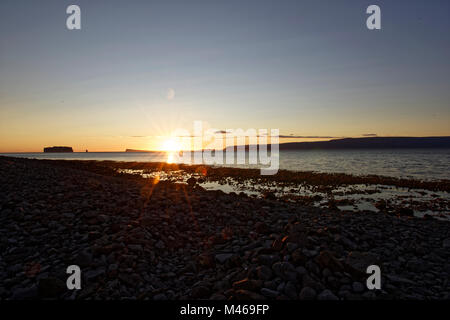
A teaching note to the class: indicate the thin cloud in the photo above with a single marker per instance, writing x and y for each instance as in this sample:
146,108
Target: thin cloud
306,137
369,135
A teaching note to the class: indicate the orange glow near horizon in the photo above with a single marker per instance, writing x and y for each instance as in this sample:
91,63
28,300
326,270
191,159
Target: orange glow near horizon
170,145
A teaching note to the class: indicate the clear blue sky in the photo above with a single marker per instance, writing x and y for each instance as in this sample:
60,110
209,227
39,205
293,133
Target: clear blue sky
139,69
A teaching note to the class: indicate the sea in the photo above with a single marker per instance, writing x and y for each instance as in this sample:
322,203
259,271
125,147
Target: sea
423,164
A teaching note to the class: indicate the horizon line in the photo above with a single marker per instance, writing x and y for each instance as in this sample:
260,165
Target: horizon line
283,143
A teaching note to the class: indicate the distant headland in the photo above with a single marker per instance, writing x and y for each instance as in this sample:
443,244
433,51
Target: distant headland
58,149
366,143
134,150
357,143
372,143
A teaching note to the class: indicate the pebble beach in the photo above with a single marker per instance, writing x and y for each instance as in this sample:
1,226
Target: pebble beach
150,239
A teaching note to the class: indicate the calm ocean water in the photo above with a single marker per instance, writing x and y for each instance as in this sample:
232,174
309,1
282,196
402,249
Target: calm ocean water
412,163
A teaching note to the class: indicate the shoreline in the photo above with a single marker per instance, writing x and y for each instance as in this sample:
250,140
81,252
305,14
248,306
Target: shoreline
339,191
150,239
283,175
412,172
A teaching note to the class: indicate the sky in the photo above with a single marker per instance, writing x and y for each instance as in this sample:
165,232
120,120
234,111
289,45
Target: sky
137,70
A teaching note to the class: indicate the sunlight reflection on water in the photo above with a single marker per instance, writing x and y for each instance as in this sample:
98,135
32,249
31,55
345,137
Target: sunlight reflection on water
406,163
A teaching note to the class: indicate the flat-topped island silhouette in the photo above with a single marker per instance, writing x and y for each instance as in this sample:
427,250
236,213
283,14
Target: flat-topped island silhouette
58,149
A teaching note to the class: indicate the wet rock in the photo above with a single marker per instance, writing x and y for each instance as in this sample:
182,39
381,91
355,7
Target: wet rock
218,297
308,281
290,290
113,270
94,235
221,285
291,246
269,293
269,195
285,270
135,247
358,287
160,244
92,275
268,260
84,259
356,262
446,243
405,212
417,265
206,260
262,228
191,181
312,267
247,284
277,244
307,293
264,273
400,280
327,295
223,257
298,257
381,205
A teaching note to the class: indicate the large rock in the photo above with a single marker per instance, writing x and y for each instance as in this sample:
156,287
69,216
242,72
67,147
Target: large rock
356,263
262,228
269,293
307,293
268,259
327,260
405,212
264,272
223,257
247,284
298,257
285,270
84,259
327,295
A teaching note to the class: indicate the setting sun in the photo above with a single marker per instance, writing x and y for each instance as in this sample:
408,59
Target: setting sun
170,145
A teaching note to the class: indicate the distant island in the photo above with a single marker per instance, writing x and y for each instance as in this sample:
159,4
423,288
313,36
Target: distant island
58,149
